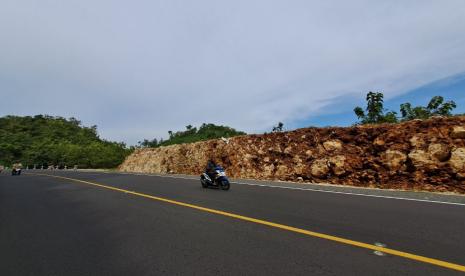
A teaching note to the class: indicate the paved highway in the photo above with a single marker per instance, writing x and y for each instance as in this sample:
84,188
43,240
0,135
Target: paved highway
88,223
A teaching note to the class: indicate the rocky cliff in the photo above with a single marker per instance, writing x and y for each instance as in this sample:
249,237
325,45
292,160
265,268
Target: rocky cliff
420,155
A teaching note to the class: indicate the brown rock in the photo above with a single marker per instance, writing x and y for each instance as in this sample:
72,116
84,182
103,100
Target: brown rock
458,132
379,142
319,168
368,160
297,159
417,141
299,169
394,159
281,171
268,171
420,158
457,160
332,145
439,152
338,164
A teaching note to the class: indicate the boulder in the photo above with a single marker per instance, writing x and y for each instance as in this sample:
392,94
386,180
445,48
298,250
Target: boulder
332,145
458,132
338,164
439,152
320,168
420,158
457,160
394,159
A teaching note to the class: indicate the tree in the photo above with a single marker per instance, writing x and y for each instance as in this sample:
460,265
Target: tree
148,143
48,140
278,127
375,112
436,106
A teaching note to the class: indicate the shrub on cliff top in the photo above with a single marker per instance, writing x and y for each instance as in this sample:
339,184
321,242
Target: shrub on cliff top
436,106
375,112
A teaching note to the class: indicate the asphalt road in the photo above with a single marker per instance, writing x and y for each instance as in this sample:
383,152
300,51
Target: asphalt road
57,226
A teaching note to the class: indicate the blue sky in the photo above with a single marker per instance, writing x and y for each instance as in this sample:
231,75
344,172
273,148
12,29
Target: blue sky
138,69
341,112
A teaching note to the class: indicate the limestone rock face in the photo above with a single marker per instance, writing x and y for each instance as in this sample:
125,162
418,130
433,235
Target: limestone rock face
320,168
332,145
394,159
421,155
458,132
457,160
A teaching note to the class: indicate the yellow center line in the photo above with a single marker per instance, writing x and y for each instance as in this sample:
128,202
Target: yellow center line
280,226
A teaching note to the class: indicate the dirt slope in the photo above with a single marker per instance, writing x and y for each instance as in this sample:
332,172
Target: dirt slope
421,155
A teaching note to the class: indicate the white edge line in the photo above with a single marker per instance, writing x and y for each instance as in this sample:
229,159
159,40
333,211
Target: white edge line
304,189
347,193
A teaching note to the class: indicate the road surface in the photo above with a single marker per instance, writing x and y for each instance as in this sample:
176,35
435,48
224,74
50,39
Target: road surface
92,223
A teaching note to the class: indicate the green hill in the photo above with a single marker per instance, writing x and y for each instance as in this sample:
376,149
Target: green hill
192,134
46,140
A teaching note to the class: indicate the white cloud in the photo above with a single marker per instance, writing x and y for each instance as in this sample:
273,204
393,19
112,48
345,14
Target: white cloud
139,69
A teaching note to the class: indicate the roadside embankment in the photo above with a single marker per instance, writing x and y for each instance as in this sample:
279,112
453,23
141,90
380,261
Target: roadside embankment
416,155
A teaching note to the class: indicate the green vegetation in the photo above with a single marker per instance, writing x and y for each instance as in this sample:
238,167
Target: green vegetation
192,134
45,140
375,112
436,106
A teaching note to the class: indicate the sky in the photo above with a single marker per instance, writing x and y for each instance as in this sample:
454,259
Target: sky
137,69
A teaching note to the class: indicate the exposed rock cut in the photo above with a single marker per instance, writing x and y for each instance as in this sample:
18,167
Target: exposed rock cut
419,154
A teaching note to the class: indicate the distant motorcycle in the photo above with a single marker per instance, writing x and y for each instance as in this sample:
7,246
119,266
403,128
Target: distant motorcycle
219,180
16,170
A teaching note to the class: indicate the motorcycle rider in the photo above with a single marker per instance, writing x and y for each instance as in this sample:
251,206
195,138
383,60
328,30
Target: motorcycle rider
210,170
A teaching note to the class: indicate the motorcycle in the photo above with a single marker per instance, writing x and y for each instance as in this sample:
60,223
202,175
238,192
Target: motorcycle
219,181
16,170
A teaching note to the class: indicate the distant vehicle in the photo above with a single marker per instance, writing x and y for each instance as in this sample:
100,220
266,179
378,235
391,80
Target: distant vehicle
16,169
219,181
